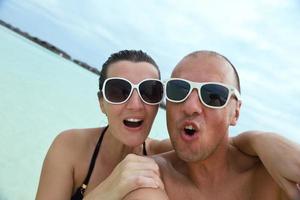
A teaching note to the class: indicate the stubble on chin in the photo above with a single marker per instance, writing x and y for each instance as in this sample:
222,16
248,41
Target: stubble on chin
187,154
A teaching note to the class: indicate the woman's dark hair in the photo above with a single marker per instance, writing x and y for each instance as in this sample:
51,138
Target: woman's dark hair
127,55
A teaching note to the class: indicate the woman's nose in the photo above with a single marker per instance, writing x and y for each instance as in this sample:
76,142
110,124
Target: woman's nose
135,101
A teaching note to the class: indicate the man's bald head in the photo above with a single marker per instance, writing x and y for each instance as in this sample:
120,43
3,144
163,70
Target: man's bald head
205,53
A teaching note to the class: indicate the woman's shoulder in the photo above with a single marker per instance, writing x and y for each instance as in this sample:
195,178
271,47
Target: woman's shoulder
75,137
75,142
67,159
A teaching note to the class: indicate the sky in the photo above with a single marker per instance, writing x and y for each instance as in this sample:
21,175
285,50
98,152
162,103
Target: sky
260,37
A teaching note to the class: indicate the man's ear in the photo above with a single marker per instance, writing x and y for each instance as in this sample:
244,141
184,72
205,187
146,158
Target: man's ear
236,113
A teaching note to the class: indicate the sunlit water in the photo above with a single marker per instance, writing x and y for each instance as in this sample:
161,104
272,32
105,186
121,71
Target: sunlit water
41,95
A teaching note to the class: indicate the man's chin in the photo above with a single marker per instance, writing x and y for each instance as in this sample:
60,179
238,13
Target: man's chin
189,156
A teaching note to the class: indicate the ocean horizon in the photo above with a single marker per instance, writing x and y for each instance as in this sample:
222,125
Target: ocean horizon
42,94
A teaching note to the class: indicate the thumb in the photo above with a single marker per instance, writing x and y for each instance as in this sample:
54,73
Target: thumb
291,189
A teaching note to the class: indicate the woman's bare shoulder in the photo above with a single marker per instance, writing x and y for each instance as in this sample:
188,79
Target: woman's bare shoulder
75,142
72,136
66,162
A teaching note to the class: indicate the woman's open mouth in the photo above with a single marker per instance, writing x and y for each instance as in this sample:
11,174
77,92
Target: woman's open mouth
132,122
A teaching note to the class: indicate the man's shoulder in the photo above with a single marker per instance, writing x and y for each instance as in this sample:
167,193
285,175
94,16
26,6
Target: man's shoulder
241,162
171,166
253,172
264,185
165,159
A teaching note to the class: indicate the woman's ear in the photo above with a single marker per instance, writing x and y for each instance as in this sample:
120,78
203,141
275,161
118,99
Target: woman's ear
236,113
101,102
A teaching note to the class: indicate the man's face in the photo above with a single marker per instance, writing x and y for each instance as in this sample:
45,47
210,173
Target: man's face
195,130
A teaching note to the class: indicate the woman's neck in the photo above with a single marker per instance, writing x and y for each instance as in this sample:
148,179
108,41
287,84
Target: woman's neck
114,151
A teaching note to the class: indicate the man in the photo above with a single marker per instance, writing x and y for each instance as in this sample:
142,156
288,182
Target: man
202,102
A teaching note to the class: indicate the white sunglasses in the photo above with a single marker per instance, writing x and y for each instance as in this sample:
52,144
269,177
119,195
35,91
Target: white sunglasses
212,94
117,90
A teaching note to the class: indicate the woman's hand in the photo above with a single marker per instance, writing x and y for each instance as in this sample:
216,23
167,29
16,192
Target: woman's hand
132,173
280,157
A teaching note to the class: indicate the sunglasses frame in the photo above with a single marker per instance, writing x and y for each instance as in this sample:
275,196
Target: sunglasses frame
133,86
198,85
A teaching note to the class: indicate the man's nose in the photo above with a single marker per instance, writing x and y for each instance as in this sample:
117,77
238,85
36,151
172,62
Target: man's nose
192,105
134,101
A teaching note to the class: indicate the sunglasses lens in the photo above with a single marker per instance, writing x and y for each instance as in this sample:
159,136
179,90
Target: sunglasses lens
151,91
177,90
214,94
117,90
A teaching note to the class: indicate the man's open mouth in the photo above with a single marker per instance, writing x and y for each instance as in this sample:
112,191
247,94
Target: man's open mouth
189,130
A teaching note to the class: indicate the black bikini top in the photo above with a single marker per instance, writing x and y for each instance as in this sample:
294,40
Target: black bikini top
78,195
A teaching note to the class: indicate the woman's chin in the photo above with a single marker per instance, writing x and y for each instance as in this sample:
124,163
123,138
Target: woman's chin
134,141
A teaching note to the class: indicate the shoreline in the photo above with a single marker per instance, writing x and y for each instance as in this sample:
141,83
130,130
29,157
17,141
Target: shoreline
50,47
57,51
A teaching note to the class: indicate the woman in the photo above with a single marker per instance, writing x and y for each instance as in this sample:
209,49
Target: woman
130,115
130,92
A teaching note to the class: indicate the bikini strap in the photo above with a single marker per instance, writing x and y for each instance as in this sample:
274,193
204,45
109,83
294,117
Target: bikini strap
92,163
144,149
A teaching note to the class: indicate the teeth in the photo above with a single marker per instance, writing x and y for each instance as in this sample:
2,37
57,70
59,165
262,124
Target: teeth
190,127
133,120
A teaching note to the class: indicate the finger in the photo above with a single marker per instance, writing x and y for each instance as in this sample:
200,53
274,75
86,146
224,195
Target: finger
148,174
136,158
135,162
146,166
142,181
133,167
134,183
291,189
159,183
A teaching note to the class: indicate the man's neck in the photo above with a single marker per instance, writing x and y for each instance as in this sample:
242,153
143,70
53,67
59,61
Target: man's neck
212,171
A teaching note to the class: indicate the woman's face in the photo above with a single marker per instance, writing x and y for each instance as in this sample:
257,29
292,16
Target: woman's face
130,122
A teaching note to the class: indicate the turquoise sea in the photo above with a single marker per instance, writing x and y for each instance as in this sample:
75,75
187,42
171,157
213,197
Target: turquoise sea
42,94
